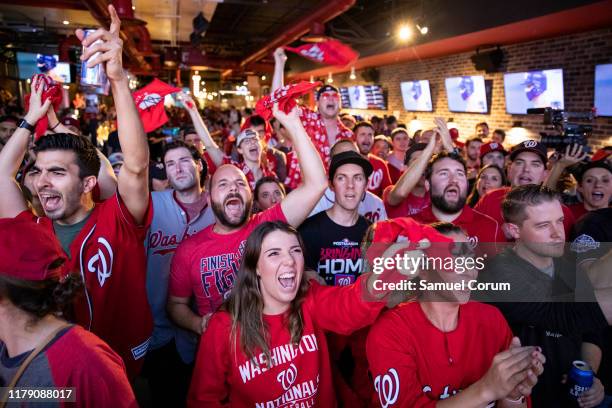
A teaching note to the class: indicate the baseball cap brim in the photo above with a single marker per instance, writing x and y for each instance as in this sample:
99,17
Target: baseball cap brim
516,152
351,158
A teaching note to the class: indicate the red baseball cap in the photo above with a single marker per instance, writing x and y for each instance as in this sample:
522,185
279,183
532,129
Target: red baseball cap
492,147
70,121
29,250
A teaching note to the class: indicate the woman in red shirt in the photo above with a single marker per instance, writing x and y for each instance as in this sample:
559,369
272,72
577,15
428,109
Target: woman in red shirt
267,345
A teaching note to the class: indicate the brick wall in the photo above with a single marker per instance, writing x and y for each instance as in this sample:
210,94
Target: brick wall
577,54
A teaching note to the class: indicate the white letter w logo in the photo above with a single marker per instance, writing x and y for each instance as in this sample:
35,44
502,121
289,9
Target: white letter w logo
100,262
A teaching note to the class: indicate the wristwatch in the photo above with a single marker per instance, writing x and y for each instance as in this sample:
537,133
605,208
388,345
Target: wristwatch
24,124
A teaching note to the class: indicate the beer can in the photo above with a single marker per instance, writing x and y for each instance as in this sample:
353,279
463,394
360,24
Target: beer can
94,76
580,378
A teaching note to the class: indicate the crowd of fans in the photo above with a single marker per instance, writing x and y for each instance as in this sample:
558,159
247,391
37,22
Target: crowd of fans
226,264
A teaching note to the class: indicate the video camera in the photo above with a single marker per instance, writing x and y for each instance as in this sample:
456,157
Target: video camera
567,133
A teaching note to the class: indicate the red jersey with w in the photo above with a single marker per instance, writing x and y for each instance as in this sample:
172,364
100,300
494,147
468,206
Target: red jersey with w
109,255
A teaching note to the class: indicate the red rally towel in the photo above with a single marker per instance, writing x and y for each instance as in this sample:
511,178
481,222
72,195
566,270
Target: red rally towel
150,103
330,52
405,229
285,96
51,90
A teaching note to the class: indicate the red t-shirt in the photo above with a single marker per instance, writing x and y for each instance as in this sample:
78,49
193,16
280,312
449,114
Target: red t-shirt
380,178
206,264
395,173
480,228
415,364
109,254
411,206
491,204
77,358
300,375
578,210
315,128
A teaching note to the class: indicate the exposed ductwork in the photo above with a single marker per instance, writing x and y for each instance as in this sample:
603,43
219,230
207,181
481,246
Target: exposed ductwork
99,10
324,12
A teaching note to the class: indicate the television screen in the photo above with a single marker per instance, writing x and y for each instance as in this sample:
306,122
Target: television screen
533,89
344,97
366,97
603,89
30,64
416,96
466,94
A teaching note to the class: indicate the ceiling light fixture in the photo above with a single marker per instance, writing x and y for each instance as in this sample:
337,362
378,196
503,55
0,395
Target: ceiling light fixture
65,22
353,76
263,77
330,78
404,33
422,29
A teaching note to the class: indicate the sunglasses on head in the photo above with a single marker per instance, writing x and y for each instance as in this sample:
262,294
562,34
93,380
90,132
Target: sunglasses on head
330,95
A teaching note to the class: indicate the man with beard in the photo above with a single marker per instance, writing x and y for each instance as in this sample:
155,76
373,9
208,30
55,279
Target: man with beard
482,130
104,240
324,127
206,265
364,137
178,213
446,180
549,303
527,166
409,195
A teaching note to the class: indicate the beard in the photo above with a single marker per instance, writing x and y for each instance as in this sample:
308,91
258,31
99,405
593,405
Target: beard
219,211
446,207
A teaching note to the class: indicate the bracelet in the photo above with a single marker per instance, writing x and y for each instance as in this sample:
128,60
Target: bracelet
519,400
56,125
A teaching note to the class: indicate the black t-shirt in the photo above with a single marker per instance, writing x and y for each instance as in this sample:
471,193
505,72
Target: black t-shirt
592,239
555,322
332,250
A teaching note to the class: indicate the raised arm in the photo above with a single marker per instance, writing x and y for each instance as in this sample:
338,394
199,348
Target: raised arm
133,181
279,69
213,150
411,176
11,199
300,202
573,154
